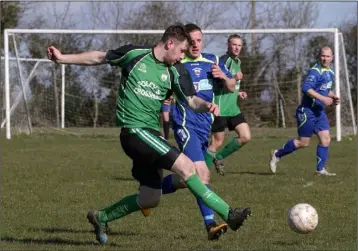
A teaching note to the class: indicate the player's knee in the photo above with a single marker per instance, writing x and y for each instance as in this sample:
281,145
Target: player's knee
217,142
184,167
245,138
302,143
149,197
203,173
325,141
205,178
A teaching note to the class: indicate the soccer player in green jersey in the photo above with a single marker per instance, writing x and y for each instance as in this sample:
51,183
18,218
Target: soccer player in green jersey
230,115
149,76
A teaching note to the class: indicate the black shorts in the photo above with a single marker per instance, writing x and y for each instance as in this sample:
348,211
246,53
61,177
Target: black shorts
150,153
220,123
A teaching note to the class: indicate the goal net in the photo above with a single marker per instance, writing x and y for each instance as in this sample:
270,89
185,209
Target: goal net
43,96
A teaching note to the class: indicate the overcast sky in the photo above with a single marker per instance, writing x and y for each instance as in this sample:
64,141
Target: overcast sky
333,13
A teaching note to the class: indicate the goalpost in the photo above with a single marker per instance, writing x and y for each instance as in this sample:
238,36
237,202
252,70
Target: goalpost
263,91
25,86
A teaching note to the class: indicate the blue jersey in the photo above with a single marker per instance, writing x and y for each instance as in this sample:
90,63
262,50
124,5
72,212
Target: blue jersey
321,80
200,71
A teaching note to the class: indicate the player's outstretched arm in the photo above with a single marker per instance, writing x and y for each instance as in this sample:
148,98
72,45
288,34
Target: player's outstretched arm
199,105
84,58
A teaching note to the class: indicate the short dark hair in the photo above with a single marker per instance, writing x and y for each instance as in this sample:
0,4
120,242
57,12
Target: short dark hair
190,27
176,31
232,37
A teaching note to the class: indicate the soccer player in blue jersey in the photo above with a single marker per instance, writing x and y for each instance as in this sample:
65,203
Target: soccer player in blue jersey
310,114
191,129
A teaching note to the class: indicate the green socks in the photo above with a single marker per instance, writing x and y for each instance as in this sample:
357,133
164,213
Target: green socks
228,149
209,198
209,157
125,206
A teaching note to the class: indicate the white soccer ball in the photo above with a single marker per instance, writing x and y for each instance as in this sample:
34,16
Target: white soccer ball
302,218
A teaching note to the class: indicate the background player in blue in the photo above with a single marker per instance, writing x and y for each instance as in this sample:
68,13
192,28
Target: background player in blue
310,114
191,129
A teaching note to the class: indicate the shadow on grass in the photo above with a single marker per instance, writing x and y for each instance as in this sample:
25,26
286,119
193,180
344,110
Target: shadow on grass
286,243
123,178
58,241
68,230
180,237
255,173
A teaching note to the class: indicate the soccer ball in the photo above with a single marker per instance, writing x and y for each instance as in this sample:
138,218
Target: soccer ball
302,218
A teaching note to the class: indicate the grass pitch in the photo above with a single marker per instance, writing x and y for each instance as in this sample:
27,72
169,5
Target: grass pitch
50,181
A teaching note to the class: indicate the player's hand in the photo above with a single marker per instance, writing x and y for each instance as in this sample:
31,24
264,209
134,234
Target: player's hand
327,101
243,95
213,108
239,76
217,72
167,102
336,100
53,54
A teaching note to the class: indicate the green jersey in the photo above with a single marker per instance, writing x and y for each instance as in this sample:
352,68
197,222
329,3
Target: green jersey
145,84
226,100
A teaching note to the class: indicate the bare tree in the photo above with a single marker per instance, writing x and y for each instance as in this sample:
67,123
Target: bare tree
62,16
287,52
207,15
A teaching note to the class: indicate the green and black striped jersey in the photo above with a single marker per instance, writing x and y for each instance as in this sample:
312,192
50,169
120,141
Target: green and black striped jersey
145,83
226,100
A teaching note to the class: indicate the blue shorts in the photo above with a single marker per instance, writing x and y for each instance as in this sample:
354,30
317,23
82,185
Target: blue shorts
165,108
192,143
310,122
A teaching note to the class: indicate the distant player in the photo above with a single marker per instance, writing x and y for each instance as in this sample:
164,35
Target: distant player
310,114
149,76
191,129
230,116
165,110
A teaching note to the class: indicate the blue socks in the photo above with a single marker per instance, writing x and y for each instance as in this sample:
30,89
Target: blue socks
322,155
206,212
167,186
288,148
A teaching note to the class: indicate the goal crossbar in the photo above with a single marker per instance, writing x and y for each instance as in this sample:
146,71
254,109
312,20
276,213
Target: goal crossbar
227,31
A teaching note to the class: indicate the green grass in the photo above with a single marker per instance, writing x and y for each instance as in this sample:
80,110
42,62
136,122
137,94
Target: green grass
49,182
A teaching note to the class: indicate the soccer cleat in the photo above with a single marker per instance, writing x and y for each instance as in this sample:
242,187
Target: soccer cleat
219,166
324,172
237,217
273,161
215,231
145,212
100,231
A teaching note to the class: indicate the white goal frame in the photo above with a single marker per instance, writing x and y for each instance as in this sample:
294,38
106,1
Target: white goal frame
334,31
31,75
